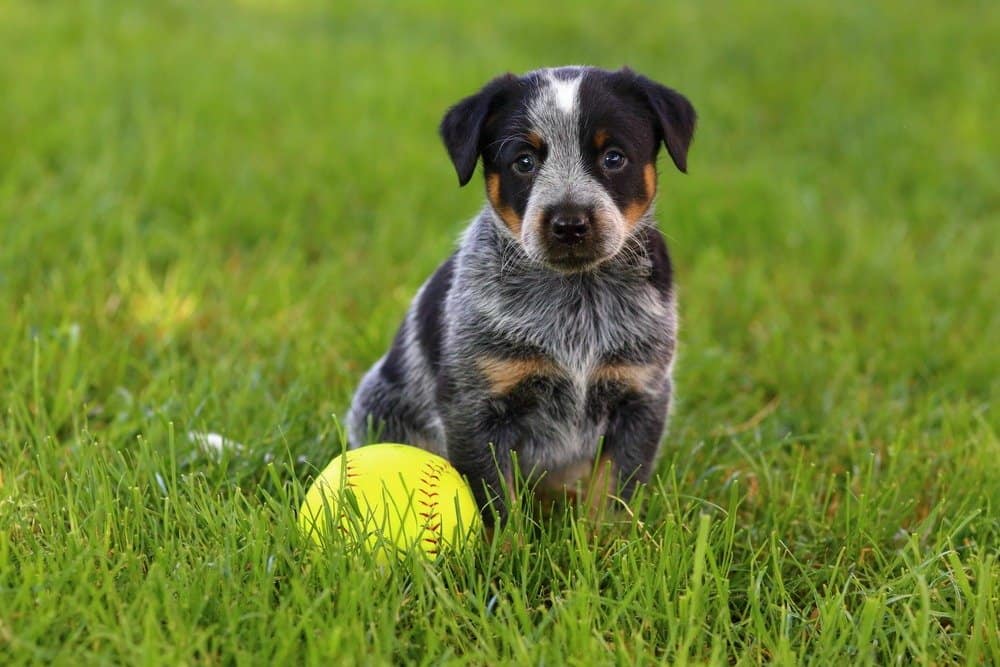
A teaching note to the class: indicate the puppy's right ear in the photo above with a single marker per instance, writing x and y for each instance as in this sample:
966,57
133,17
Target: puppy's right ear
462,127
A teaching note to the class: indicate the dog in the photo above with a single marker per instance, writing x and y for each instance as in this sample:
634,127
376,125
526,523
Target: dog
547,340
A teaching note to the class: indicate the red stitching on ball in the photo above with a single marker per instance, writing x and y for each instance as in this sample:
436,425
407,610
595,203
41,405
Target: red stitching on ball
428,499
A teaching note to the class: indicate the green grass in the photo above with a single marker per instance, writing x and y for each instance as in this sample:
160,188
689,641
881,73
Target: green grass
212,217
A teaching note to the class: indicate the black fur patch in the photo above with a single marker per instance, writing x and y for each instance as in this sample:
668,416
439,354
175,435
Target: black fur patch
429,309
392,368
662,275
601,397
528,396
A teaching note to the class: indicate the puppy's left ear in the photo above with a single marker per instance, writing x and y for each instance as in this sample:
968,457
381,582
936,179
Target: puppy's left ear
462,126
675,114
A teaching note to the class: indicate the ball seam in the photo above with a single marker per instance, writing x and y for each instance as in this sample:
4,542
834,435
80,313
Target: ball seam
427,498
349,474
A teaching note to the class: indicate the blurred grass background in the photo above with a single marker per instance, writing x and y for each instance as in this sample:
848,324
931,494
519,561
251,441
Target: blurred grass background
214,215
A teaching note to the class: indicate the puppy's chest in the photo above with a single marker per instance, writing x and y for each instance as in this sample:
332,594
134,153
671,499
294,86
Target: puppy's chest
581,329
584,338
592,355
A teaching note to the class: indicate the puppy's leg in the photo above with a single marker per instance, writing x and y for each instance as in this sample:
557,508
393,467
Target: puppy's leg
632,440
480,446
381,412
393,403
492,407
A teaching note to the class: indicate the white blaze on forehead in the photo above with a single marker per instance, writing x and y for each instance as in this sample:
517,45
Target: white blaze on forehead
566,91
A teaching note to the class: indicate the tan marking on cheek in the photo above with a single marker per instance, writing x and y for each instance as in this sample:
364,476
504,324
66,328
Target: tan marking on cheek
600,139
649,176
506,213
493,188
505,374
634,211
633,376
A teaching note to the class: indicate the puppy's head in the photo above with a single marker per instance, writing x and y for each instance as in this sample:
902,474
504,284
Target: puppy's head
569,156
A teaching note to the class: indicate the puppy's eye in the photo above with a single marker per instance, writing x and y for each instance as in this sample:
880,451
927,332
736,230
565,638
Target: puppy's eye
613,160
524,163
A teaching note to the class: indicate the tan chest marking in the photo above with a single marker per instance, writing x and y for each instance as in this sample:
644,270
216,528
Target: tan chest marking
505,374
633,376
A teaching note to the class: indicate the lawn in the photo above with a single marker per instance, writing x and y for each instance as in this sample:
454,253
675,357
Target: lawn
213,216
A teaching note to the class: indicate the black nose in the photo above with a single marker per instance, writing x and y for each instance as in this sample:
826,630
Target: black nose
569,226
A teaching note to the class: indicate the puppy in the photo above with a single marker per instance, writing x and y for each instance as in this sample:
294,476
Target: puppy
550,332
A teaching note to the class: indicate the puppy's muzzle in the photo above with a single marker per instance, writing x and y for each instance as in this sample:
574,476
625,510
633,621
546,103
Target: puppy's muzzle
571,237
570,225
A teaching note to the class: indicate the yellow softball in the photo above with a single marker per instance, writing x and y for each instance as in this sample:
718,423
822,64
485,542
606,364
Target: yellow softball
391,497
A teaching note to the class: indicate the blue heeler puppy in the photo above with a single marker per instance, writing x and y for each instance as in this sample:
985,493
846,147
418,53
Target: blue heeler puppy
550,332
